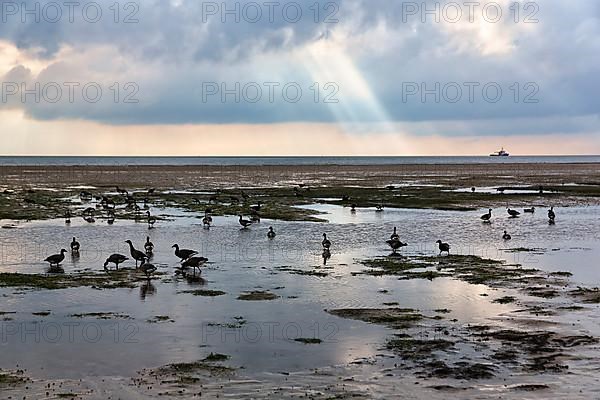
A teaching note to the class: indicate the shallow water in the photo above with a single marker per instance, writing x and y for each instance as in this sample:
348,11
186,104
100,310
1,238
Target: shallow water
245,260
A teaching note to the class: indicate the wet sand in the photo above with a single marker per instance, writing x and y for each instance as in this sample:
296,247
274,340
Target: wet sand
212,177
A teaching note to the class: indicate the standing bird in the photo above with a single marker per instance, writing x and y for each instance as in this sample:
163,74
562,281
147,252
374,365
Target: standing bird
551,214
487,217
136,254
379,208
207,220
151,220
68,217
395,235
148,269
444,247
529,210
326,242
148,246
244,222
75,246
256,208
115,259
183,254
513,213
194,262
353,208
56,259
506,236
254,216
396,244
271,234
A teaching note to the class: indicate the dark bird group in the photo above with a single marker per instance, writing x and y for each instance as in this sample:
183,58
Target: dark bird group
189,259
487,217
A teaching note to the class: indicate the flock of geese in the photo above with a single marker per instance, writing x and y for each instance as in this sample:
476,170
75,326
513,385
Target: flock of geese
487,218
189,259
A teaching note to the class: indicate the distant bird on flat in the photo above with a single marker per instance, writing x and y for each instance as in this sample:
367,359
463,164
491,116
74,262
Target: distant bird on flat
115,259
257,207
207,220
56,259
68,217
379,208
353,208
513,213
151,220
529,210
326,242
183,254
506,236
148,269
395,235
551,214
444,247
487,217
271,234
136,254
148,246
472,190
75,246
244,222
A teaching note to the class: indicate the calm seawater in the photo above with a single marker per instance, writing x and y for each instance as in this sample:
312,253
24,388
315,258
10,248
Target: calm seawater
31,160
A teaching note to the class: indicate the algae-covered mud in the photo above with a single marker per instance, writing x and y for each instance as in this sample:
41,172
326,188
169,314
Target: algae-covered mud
280,317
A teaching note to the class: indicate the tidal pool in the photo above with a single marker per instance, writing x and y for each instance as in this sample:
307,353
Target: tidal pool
82,332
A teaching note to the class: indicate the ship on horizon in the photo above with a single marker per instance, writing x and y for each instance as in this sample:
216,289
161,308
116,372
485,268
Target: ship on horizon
500,153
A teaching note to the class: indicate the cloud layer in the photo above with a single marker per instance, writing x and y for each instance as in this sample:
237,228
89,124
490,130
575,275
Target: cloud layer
381,64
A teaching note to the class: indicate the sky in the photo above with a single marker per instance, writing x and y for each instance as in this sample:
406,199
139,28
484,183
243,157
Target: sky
303,77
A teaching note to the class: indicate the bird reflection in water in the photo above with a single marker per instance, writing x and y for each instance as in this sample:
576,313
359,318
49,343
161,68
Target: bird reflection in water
147,289
326,256
55,269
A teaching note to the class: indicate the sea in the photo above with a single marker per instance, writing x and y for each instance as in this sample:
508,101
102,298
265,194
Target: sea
325,160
